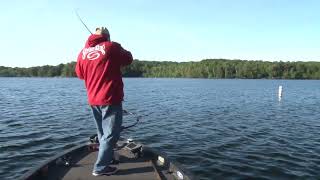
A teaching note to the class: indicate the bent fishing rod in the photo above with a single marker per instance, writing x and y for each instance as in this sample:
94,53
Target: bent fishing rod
82,21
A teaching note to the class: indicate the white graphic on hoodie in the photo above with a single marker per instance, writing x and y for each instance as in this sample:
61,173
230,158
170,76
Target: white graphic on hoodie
93,53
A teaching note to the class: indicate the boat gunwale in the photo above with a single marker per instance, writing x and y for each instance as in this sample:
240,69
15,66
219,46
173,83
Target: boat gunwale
46,163
172,163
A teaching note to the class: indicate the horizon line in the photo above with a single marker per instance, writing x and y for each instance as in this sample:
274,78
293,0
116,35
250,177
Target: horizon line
261,60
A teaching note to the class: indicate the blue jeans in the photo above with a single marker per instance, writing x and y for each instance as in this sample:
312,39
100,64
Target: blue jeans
108,121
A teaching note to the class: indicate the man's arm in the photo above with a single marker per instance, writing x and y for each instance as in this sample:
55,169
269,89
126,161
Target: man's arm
125,57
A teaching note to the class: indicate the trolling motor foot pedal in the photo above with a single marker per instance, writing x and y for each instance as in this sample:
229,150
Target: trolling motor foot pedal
134,148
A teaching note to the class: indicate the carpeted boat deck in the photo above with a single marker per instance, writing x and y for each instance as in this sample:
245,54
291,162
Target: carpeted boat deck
128,168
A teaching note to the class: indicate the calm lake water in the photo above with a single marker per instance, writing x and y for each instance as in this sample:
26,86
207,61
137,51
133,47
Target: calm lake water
217,129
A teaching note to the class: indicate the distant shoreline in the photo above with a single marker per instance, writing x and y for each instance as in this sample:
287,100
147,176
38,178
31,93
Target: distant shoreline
205,69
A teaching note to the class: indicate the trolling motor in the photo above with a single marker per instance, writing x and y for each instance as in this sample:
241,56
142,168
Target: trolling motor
134,148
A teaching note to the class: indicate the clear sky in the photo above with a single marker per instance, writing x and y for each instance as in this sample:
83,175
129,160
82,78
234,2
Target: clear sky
40,32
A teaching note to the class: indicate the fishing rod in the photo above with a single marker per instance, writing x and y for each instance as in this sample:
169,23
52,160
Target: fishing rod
82,21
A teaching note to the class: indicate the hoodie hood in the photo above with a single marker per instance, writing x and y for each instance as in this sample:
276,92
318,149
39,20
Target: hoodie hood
95,39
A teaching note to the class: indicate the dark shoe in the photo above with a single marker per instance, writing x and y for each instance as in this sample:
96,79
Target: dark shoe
107,171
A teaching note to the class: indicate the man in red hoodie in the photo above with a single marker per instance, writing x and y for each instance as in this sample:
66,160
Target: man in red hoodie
99,65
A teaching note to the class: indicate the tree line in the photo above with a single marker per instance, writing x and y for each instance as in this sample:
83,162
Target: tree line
208,68
61,70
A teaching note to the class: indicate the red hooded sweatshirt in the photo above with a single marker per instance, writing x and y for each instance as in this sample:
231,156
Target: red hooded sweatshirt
99,64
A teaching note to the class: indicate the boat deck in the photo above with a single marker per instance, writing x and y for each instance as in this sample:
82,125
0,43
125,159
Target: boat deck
128,168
